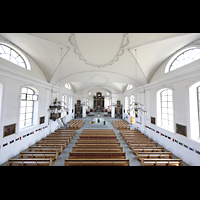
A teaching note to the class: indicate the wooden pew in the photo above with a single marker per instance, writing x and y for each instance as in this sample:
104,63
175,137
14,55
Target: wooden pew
98,145
97,155
97,148
30,162
96,141
67,135
53,142
147,149
132,134
161,162
130,131
94,137
141,155
75,124
56,139
94,149
45,149
52,155
120,124
98,130
96,162
60,137
143,145
65,131
133,137
51,145
138,140
98,134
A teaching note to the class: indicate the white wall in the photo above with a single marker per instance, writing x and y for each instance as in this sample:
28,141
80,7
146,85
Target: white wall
179,81
12,79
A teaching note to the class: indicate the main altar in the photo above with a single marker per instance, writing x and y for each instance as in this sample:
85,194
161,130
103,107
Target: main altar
98,105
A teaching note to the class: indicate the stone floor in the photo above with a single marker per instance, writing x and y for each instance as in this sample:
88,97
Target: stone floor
87,125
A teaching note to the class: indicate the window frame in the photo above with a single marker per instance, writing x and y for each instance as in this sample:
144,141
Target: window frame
126,104
25,60
198,106
68,86
167,113
176,55
70,104
26,100
129,86
131,101
64,102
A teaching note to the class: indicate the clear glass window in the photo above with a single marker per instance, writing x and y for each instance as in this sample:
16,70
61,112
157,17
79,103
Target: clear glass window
185,58
12,56
27,107
166,108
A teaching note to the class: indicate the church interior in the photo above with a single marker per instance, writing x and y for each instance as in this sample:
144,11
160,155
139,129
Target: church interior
100,99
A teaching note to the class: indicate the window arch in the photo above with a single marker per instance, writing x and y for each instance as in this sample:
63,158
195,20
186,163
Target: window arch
165,108
12,55
28,97
183,58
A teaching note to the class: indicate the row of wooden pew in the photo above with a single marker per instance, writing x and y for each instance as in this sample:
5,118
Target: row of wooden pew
120,124
46,151
97,147
75,124
147,152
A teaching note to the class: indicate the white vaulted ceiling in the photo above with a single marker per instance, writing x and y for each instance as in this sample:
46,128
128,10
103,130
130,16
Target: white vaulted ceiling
99,61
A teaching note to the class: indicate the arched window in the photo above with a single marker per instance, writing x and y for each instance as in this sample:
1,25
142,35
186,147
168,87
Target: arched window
165,108
70,104
198,99
194,105
13,56
1,95
129,86
184,58
64,101
126,104
68,86
132,99
28,97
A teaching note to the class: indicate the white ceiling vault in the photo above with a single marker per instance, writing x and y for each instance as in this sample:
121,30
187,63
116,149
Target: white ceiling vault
99,61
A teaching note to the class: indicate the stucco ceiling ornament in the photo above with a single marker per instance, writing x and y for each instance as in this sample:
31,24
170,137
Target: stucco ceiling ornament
125,42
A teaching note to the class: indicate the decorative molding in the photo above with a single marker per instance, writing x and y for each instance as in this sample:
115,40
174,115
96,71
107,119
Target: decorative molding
92,80
125,42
